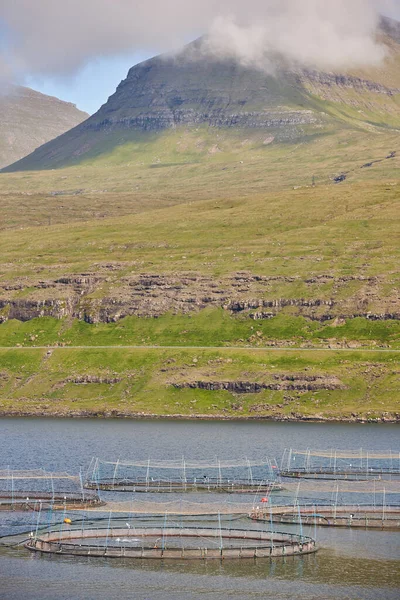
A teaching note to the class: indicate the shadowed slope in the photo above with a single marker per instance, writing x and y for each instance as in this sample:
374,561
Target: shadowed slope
28,119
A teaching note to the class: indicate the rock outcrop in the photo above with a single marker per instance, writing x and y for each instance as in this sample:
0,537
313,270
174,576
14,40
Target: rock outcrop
332,80
150,295
280,383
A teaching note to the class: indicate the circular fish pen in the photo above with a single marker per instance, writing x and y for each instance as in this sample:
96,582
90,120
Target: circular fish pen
241,477
21,501
366,517
38,490
157,542
339,464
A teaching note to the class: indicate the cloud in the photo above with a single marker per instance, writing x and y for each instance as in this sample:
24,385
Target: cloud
58,37
310,32
389,8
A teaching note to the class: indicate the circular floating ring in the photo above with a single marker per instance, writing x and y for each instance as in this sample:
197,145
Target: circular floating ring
172,543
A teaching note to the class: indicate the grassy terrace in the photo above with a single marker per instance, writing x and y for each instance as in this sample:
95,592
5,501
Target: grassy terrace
208,328
120,381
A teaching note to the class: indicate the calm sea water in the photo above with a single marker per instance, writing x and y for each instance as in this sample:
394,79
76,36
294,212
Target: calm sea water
350,564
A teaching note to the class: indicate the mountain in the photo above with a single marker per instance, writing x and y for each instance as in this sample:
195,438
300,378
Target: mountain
194,89
28,119
217,210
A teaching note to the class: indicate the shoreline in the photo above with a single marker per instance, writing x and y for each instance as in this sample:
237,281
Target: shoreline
113,414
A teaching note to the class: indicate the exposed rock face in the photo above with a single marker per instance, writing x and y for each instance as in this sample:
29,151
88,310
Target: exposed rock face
282,382
166,92
29,119
149,295
332,80
87,380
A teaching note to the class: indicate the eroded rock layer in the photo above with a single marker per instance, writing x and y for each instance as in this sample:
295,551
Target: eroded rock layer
89,297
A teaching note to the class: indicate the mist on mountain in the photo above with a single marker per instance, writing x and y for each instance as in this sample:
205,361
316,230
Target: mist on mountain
54,38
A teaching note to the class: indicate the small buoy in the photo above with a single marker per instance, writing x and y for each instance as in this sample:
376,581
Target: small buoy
67,521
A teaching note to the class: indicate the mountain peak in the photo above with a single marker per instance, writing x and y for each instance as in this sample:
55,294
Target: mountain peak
196,87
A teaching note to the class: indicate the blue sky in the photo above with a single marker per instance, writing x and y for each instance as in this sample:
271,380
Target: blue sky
93,84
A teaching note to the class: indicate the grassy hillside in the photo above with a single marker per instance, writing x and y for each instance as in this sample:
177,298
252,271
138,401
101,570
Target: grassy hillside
330,242
327,242
149,382
181,166
209,327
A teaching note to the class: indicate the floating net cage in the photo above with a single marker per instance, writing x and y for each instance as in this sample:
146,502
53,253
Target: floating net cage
331,489
164,537
341,503
340,464
358,516
241,476
37,489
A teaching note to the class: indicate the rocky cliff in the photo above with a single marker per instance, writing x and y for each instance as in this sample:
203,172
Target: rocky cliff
166,92
148,295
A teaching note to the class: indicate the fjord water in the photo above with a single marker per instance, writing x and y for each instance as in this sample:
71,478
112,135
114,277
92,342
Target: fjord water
350,564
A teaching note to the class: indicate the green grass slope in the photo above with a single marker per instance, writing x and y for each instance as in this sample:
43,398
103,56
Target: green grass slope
142,382
333,231
207,328
180,166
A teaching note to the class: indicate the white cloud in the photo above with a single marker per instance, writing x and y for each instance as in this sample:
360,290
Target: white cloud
58,37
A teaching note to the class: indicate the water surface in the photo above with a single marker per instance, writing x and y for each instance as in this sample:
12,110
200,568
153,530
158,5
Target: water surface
350,564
